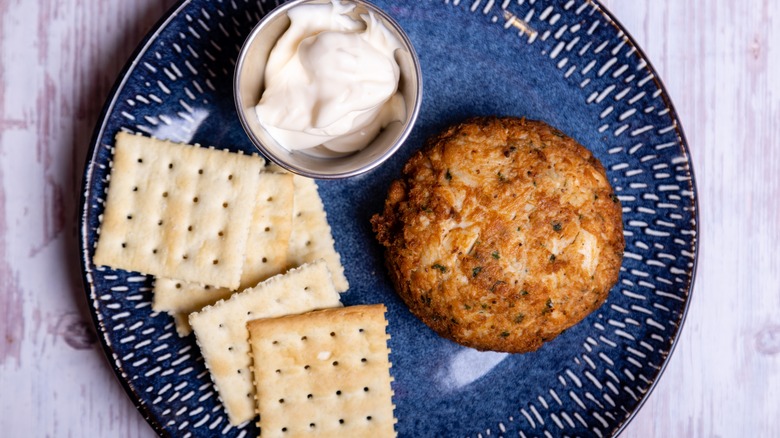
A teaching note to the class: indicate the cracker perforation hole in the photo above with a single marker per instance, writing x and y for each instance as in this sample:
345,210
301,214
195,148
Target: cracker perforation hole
230,348
278,371
135,189
368,418
160,222
207,287
332,334
267,229
165,194
230,177
215,261
310,396
365,389
308,243
224,205
185,257
270,199
178,285
306,288
200,171
189,228
140,160
335,363
129,216
341,421
124,245
154,251
195,199
312,425
360,330
284,429
170,165
303,338
281,401
338,392
265,260
221,233
364,360
306,367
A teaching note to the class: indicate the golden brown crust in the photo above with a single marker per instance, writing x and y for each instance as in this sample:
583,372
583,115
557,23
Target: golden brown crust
502,233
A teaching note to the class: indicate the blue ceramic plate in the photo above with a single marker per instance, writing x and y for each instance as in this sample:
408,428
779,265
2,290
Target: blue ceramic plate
568,63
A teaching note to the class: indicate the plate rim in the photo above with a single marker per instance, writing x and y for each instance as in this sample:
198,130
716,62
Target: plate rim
613,21
86,178
111,100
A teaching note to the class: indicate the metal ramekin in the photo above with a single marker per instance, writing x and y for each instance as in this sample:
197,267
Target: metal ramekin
248,87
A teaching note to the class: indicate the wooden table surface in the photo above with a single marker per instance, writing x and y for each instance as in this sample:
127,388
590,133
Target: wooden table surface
720,60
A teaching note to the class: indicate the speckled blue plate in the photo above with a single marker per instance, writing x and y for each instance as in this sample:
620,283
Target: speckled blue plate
568,63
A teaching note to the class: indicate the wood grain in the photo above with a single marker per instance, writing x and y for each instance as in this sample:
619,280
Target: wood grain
58,60
720,62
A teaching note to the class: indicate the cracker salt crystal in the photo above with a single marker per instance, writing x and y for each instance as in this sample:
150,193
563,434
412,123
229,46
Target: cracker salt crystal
222,334
178,211
323,373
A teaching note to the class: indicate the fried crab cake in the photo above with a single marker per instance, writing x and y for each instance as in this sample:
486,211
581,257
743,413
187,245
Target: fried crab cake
502,233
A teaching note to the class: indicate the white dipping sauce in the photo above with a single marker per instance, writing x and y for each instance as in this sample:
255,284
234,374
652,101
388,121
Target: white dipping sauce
331,80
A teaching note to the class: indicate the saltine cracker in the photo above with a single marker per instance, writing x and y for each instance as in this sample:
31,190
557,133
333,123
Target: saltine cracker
266,251
311,237
178,211
323,373
222,334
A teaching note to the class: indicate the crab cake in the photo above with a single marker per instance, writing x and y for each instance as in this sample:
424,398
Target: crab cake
502,233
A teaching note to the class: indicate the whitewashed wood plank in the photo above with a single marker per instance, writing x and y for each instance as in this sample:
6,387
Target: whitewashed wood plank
720,62
58,60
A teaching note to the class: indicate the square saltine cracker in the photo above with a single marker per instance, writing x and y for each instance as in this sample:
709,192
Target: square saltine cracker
178,211
223,338
323,373
311,237
266,250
